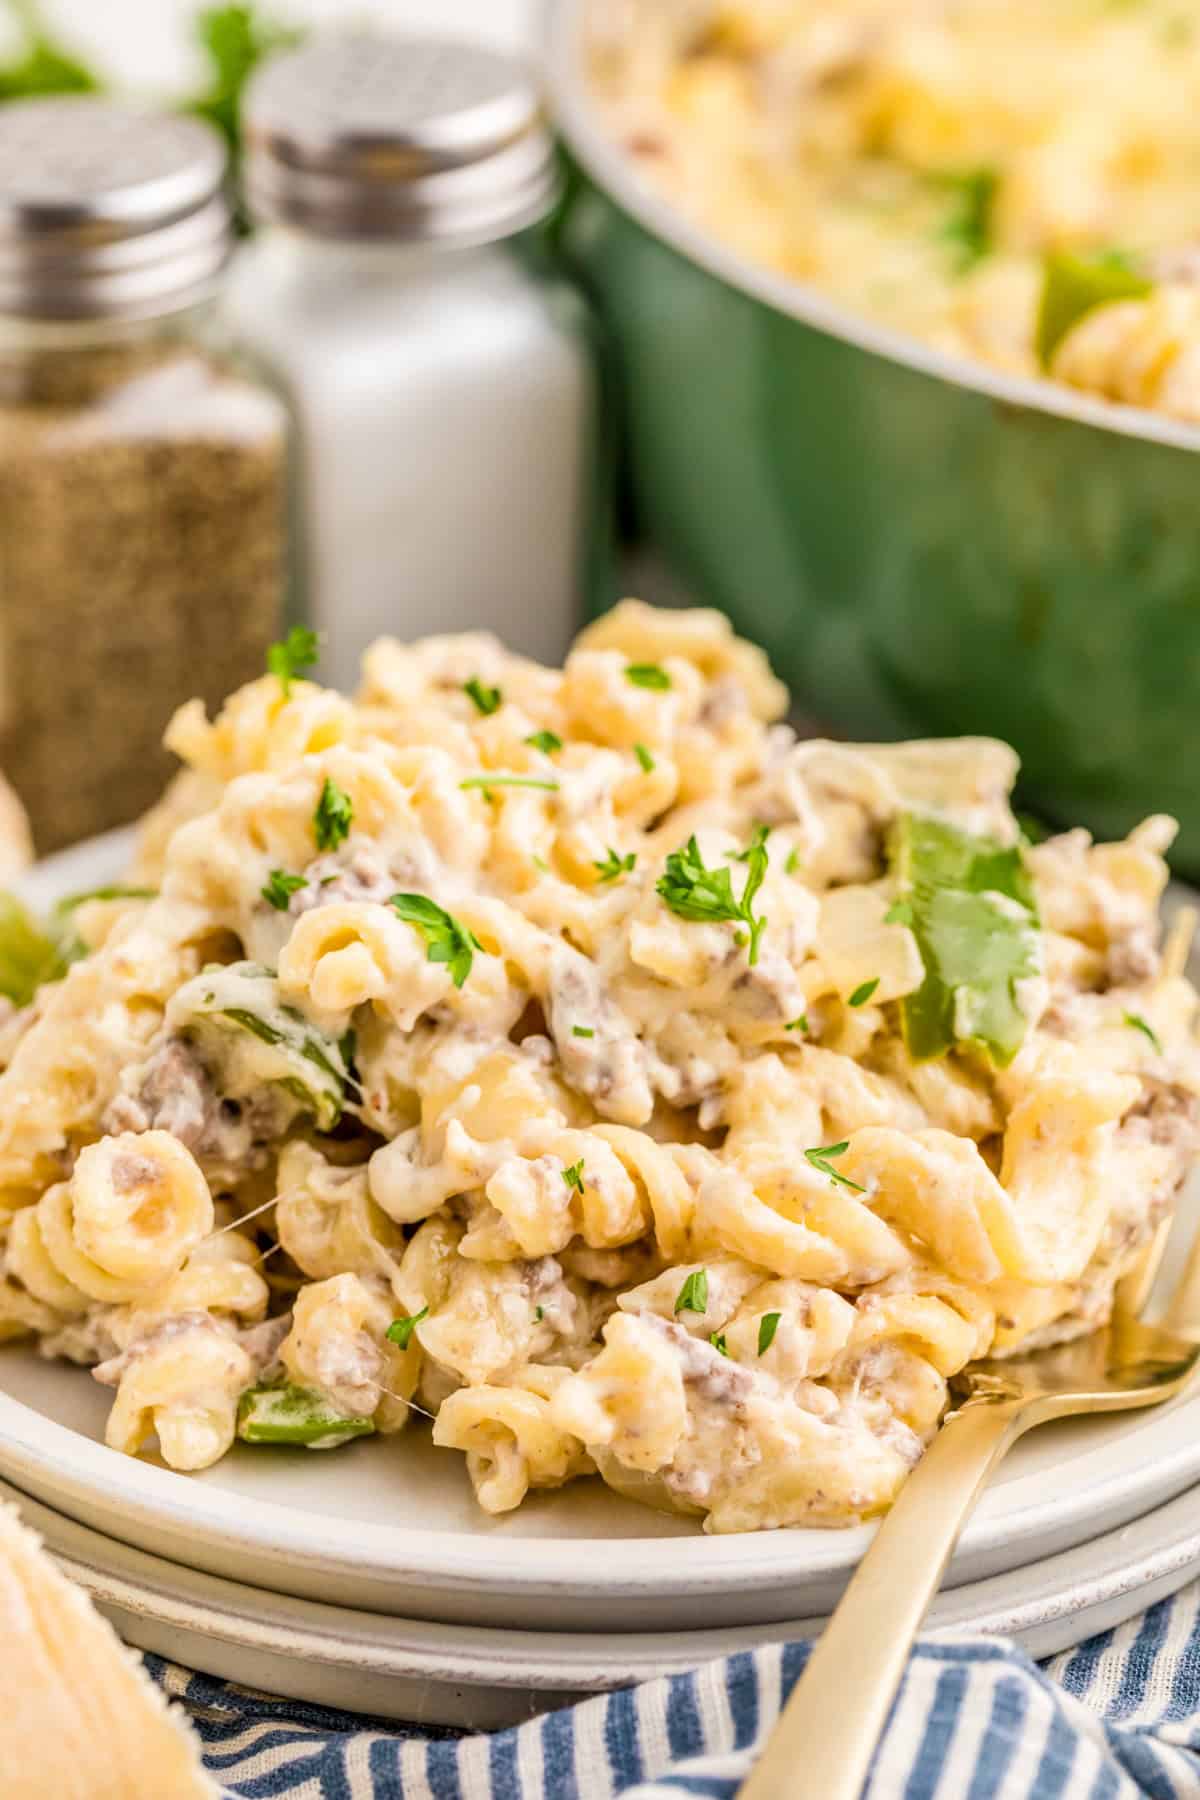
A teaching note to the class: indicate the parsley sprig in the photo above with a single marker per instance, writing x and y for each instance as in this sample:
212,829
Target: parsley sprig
705,895
768,1325
545,741
447,940
821,1155
761,834
693,1295
487,699
298,650
333,817
280,887
400,1331
614,866
863,992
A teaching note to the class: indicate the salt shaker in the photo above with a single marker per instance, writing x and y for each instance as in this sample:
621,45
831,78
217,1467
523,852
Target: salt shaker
143,470
441,374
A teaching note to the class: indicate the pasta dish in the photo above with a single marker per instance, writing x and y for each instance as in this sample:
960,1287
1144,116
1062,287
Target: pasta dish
1010,180
579,1058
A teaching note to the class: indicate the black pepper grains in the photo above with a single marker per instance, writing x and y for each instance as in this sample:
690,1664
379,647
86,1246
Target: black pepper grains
142,560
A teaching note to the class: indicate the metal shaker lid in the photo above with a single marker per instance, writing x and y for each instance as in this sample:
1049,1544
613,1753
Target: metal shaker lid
107,210
408,139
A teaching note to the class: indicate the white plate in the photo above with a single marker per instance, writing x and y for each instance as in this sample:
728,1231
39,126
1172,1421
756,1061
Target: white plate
480,1679
391,1525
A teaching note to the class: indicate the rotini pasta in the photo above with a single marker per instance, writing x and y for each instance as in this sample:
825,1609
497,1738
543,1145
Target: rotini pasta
576,1057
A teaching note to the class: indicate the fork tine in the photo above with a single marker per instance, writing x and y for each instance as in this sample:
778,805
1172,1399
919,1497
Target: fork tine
1133,1289
1182,1313
1178,946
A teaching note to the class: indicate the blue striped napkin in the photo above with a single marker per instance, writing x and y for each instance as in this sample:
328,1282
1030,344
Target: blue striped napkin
1116,1719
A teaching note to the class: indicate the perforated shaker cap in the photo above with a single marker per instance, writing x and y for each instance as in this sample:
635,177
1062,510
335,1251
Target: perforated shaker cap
408,139
107,210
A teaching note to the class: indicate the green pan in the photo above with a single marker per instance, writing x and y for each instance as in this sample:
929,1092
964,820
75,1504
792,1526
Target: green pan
924,545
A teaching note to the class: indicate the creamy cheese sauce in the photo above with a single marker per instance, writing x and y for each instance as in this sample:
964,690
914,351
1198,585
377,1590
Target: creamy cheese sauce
603,1071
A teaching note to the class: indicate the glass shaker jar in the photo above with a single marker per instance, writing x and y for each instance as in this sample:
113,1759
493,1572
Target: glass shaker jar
441,373
143,480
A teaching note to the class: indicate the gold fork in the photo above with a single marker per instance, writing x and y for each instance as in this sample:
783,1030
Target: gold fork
822,1745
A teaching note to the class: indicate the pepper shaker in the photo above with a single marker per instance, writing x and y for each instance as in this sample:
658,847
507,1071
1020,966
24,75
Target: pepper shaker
142,470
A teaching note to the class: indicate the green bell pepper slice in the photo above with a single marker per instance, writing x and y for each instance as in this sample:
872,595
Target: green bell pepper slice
295,1415
970,905
1075,286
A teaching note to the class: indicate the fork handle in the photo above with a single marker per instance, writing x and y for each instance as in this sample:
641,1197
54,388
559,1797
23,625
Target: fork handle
823,1742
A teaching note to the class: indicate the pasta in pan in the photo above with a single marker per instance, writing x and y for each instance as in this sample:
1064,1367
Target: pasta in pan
578,1058
1007,180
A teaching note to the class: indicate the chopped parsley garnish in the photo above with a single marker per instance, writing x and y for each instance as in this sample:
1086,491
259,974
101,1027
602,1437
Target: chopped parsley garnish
298,650
1136,1021
900,912
546,741
800,1024
333,817
768,1325
967,227
280,888
574,1176
447,941
488,782
976,925
717,1340
693,1295
487,699
793,861
584,1031
614,866
648,675
539,1313
863,992
706,895
540,864
644,757
821,1159
400,1331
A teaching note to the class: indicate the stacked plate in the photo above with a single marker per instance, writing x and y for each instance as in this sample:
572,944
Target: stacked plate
365,1579
368,1578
